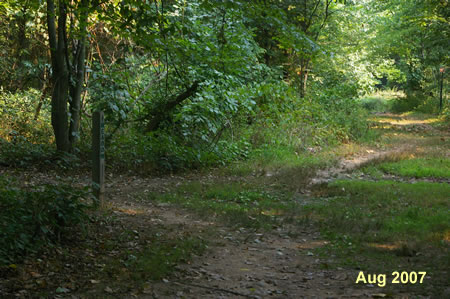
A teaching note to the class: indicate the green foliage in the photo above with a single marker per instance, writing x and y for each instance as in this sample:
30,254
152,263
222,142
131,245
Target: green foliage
446,113
326,118
21,153
411,41
31,220
429,105
22,45
268,73
376,104
163,151
402,105
18,115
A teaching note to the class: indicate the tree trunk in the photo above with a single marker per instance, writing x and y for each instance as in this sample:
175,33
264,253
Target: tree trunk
78,71
60,76
67,78
45,88
75,96
303,74
41,101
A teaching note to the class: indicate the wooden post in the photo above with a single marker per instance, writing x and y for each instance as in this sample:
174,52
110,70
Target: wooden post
98,155
441,70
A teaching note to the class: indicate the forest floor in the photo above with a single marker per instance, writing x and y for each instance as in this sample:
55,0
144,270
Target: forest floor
283,233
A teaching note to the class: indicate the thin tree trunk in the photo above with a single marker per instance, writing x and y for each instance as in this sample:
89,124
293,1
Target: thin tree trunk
60,76
41,101
77,88
303,77
45,87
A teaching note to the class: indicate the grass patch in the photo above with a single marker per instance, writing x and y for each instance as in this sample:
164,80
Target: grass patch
419,168
269,159
387,226
387,211
236,203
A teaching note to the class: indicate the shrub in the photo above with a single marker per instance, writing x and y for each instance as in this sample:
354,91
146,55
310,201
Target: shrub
17,111
31,220
429,105
163,151
376,104
20,152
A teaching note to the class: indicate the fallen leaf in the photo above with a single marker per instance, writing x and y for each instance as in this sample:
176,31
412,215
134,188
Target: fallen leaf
109,290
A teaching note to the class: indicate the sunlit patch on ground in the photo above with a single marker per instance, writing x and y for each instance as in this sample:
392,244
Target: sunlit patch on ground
312,244
129,211
404,121
385,246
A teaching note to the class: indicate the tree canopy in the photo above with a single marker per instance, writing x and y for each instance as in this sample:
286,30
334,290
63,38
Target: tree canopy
193,71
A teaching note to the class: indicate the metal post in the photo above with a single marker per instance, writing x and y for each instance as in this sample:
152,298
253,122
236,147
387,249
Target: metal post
98,155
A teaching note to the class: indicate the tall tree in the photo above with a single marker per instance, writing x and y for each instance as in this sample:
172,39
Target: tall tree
67,74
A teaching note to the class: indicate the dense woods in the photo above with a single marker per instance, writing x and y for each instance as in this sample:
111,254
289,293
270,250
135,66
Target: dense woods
204,79
190,85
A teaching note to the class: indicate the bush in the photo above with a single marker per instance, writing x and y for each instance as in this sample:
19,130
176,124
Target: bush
446,113
31,220
17,111
429,105
376,104
20,152
163,151
411,102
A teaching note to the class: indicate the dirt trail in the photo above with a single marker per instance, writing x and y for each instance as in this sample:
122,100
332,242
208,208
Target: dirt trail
246,263
277,264
355,162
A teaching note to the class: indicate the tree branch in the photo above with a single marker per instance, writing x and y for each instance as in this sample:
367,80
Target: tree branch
51,30
161,113
312,15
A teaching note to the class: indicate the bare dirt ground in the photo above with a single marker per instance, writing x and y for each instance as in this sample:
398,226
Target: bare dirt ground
239,263
245,263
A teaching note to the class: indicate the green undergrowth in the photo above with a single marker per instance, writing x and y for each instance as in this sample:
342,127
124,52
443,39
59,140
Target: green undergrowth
33,220
376,104
419,168
238,204
21,153
386,211
274,159
386,226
